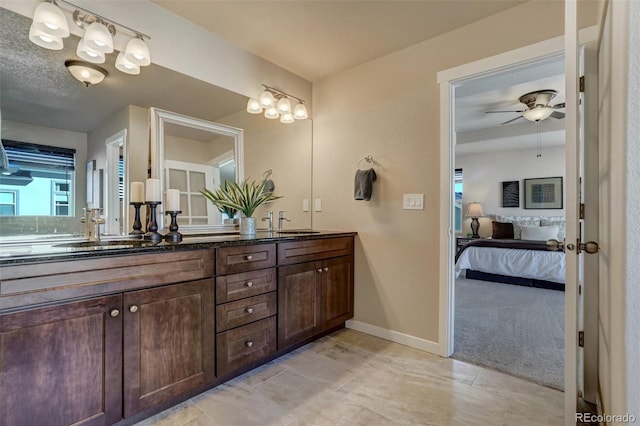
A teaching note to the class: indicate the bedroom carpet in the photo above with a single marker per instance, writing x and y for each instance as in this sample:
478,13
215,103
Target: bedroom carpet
514,329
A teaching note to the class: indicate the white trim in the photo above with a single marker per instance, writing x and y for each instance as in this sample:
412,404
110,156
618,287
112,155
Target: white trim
115,223
395,336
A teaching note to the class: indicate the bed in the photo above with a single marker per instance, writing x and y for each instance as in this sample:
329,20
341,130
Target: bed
519,261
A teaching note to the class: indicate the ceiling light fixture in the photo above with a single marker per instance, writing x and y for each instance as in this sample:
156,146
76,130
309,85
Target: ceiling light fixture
86,72
50,26
538,112
277,104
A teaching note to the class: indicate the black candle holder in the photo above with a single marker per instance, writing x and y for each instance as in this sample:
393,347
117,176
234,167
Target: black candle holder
152,226
173,236
137,225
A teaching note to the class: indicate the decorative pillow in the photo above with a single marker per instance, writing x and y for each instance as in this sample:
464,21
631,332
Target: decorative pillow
539,233
502,230
558,221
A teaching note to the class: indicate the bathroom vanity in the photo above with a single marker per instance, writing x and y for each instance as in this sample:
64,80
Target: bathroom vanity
111,333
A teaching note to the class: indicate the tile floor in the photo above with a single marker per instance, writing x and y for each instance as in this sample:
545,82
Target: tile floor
350,378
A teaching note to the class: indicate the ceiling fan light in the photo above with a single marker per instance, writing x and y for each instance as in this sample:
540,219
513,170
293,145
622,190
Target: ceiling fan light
284,105
85,72
266,99
123,65
300,112
49,19
88,54
98,37
137,52
43,39
538,113
271,113
287,118
253,106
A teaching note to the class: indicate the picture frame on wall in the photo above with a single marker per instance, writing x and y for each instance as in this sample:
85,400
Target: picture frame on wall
511,193
543,193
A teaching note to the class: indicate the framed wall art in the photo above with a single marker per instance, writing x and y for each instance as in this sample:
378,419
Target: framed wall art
511,193
543,193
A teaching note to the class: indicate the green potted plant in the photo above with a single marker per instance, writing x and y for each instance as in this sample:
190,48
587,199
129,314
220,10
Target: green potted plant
244,197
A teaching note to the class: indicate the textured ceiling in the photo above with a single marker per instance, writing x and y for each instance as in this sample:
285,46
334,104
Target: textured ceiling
317,38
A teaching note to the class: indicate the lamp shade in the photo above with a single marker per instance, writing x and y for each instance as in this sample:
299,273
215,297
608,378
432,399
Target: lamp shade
538,113
89,54
137,52
123,64
271,113
85,72
43,39
474,210
284,105
287,118
300,112
253,106
266,99
49,19
98,37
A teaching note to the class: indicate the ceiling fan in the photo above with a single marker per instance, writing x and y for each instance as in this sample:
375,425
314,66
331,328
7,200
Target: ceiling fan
538,107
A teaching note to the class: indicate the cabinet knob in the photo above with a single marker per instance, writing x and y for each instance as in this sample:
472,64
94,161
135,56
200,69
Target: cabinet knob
249,310
326,269
249,343
249,284
319,269
133,309
114,313
248,257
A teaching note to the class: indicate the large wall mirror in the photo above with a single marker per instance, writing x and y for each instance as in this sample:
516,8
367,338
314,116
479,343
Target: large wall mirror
106,128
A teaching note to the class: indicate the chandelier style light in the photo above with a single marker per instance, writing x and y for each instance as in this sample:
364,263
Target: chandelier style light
277,104
50,26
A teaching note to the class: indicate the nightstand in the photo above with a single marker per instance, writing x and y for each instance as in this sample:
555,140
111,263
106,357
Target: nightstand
463,241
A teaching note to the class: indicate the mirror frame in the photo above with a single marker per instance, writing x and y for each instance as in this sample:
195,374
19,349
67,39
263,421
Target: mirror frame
158,118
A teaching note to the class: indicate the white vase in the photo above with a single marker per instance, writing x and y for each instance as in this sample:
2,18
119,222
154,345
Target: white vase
248,225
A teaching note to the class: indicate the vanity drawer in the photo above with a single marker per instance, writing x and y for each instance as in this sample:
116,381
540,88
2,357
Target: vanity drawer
304,251
244,345
230,260
241,312
245,284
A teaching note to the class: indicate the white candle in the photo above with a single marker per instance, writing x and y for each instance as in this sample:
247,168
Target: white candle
153,192
137,192
173,200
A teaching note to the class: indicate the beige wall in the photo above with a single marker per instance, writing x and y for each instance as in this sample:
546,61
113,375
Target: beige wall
389,108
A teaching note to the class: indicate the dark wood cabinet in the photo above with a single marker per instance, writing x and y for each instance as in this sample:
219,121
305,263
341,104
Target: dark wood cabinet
337,291
62,364
168,343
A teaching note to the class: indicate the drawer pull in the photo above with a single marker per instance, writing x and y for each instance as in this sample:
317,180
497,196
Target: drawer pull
326,269
133,309
114,313
248,257
249,284
249,343
319,269
249,310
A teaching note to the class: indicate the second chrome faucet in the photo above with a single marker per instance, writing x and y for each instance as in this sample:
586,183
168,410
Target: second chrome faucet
281,219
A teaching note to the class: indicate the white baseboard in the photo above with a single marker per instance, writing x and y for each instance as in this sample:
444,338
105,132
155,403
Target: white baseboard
397,337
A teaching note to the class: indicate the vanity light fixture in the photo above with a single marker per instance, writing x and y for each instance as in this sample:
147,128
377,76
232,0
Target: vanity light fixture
277,104
86,72
50,26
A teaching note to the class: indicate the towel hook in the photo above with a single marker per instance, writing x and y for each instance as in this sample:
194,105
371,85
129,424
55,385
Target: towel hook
367,158
266,175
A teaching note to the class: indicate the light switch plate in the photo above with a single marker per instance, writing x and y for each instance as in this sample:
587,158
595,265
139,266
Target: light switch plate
413,202
305,205
318,206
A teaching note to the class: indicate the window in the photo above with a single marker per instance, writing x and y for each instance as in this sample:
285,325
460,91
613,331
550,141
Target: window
457,189
60,196
8,203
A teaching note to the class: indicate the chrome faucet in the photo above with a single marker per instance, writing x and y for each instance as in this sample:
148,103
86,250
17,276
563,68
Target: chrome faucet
269,217
92,216
281,218
86,220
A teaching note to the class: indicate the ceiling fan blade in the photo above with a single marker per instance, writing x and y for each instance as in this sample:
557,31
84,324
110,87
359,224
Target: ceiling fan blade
556,114
492,112
513,119
558,106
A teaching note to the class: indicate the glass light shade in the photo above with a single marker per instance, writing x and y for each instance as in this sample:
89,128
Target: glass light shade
137,52
538,113
49,18
300,112
85,72
271,113
98,37
474,210
287,118
253,106
43,39
266,99
122,64
89,54
284,105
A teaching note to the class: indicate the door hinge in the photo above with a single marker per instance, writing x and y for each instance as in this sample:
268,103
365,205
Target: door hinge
582,84
581,210
581,339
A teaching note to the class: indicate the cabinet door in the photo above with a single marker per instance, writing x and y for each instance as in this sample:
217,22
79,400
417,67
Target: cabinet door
62,364
168,343
298,299
337,291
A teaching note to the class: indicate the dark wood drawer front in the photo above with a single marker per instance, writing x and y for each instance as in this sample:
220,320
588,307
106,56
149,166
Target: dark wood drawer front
304,251
241,312
245,284
240,259
245,345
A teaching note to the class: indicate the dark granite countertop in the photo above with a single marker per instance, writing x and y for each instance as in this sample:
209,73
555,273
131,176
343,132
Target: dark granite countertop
51,250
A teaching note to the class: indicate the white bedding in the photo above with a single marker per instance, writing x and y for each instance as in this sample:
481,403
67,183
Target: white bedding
536,264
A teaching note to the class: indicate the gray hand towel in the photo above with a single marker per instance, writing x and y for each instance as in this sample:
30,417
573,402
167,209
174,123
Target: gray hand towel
364,184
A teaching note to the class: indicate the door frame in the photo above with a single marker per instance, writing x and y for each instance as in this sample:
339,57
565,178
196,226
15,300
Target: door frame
447,80
117,218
